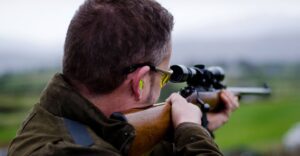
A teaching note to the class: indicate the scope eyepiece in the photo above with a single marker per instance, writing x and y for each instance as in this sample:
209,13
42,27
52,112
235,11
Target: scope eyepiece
197,75
181,73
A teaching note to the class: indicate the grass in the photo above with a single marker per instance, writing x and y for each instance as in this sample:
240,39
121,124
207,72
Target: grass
262,124
18,93
12,119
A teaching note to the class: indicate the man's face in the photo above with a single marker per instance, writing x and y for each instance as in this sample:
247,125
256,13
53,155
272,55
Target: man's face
156,79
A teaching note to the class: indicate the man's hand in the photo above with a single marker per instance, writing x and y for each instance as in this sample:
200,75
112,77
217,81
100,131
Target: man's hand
218,119
182,111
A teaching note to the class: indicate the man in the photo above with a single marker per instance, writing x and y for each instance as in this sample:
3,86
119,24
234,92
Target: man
116,58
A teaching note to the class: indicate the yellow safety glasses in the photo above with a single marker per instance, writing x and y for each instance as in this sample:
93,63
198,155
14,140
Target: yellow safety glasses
165,74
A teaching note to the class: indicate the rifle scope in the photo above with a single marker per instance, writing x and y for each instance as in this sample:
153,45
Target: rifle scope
198,75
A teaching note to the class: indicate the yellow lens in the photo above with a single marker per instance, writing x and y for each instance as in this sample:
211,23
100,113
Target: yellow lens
164,79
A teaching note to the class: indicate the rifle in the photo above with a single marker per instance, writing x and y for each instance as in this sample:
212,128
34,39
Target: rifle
203,88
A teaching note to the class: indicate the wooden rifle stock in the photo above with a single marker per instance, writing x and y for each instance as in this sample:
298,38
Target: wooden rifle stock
153,123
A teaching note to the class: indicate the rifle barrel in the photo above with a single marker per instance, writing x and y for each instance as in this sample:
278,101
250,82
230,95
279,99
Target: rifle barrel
250,90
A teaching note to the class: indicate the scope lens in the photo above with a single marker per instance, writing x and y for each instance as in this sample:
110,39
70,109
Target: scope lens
217,72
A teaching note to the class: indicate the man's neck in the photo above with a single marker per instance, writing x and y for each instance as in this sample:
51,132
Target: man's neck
110,103
119,100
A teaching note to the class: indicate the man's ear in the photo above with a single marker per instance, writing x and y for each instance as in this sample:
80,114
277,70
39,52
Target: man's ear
138,81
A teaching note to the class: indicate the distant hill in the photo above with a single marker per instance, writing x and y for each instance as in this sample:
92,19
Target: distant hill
266,49
16,55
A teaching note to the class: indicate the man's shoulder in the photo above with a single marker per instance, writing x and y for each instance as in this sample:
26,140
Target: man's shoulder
41,121
37,129
44,133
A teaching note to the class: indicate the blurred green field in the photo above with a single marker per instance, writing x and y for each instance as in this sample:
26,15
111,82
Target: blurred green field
18,93
262,124
258,124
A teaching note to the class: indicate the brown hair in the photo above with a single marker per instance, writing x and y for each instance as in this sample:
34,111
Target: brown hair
106,36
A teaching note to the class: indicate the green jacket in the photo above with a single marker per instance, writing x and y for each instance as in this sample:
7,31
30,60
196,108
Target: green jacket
44,132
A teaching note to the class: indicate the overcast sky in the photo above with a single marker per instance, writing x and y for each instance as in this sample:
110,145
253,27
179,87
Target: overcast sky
32,32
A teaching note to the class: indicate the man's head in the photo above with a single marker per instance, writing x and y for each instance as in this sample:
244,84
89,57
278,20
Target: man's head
107,36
